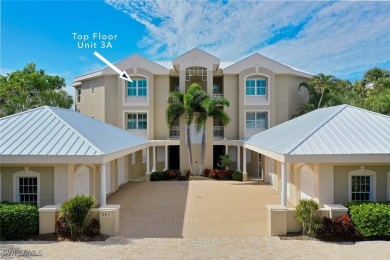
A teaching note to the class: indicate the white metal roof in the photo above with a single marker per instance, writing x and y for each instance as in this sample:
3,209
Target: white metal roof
49,131
335,131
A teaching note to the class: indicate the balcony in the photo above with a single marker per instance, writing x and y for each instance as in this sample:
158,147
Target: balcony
217,95
174,132
218,132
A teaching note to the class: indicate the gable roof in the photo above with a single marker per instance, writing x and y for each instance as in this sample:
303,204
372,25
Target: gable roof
329,134
258,60
131,62
49,131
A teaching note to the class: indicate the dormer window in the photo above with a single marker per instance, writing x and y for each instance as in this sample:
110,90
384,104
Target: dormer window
256,87
137,88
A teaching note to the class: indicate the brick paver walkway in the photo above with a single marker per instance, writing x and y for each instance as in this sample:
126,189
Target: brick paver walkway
193,208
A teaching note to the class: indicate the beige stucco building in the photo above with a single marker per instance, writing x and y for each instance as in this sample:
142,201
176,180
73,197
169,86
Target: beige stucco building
262,93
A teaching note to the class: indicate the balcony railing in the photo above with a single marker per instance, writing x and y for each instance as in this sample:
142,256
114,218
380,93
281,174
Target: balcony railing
174,132
218,132
217,95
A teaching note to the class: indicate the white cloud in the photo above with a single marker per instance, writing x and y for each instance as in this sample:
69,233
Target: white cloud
341,38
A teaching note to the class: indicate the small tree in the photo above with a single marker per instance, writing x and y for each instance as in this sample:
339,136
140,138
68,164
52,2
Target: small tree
308,217
224,162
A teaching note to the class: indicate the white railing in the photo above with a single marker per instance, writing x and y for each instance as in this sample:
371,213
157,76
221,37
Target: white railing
217,95
218,132
174,132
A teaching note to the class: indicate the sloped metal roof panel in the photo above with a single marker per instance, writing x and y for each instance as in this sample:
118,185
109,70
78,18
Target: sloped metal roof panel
339,130
55,131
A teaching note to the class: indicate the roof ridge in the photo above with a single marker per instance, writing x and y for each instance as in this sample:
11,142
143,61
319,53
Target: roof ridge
23,112
73,129
342,107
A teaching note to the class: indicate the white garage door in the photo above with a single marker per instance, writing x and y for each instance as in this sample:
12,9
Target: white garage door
81,181
307,183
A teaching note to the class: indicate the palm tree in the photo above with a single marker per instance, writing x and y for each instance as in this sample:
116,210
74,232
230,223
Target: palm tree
322,83
185,104
211,108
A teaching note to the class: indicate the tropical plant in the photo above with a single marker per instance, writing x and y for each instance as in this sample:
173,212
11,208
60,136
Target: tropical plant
307,215
211,107
322,83
30,88
224,161
372,92
75,211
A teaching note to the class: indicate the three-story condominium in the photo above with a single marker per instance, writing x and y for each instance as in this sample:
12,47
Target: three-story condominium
262,93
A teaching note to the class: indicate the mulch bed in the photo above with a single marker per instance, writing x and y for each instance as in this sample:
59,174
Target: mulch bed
297,236
57,238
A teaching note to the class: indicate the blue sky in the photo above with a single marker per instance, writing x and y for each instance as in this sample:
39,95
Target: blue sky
340,38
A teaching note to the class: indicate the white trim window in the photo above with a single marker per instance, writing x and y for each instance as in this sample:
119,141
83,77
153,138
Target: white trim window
137,88
361,188
137,121
256,87
78,95
362,185
26,187
256,120
92,88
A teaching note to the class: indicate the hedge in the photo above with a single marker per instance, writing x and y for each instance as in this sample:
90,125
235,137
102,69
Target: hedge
18,220
372,219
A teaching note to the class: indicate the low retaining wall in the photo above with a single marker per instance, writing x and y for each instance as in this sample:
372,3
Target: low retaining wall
281,220
108,217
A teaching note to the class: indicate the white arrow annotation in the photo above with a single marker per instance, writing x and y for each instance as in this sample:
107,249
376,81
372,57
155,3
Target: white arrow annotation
122,74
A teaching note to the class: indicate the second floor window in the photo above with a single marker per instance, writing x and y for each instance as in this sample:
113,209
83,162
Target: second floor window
137,121
258,120
256,87
137,87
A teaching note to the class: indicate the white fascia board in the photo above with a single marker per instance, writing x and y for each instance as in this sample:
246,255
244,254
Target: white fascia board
50,159
76,84
89,76
227,142
120,154
163,142
273,155
339,158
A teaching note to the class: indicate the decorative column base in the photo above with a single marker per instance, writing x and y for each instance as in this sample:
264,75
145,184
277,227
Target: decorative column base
147,176
244,176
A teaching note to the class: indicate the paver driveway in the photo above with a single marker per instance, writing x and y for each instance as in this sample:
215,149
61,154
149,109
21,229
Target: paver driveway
193,209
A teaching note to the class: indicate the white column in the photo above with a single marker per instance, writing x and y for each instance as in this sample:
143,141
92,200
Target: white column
238,158
226,149
284,185
166,158
147,161
154,159
244,173
102,185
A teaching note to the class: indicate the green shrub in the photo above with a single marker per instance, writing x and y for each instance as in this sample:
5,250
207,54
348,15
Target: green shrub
372,219
18,220
224,161
237,176
156,176
75,211
308,217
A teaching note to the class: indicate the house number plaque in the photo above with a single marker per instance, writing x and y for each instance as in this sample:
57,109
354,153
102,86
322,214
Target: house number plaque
107,214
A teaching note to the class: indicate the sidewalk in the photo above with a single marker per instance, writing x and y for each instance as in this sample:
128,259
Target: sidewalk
205,248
